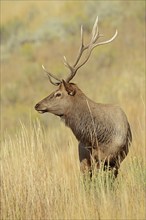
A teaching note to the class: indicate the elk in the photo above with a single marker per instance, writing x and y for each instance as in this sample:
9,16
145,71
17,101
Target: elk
102,130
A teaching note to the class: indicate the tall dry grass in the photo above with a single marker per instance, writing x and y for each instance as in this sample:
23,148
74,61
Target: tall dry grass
41,179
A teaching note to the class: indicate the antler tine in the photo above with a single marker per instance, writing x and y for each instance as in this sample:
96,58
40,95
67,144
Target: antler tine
81,47
107,41
54,83
95,33
50,75
82,36
67,64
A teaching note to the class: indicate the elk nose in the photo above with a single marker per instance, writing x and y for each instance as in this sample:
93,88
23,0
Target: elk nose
36,106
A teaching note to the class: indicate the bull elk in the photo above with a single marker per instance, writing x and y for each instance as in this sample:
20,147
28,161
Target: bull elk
102,130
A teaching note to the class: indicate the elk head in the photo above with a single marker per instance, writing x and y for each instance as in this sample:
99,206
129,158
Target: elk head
60,101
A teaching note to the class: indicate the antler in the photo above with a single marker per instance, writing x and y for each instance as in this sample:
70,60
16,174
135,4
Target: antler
50,75
89,47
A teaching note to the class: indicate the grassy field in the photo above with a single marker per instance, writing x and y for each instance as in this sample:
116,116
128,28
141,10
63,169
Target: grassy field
41,180
40,174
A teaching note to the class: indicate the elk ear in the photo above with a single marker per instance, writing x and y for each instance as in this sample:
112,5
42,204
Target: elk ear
69,88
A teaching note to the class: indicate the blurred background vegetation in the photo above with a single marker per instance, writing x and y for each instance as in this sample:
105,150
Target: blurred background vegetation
33,33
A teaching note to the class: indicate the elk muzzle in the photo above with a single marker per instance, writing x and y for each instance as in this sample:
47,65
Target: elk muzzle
38,107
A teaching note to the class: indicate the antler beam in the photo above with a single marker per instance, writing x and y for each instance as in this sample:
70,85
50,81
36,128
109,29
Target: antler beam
89,47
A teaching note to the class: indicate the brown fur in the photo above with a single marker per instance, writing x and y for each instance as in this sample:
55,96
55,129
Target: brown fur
102,130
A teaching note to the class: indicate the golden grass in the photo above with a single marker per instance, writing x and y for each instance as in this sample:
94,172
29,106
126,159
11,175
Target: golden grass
41,179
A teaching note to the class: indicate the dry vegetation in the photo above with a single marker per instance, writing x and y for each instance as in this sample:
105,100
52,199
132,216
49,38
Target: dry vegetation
40,176
41,180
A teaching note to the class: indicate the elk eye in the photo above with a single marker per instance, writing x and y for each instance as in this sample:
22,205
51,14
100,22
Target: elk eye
58,94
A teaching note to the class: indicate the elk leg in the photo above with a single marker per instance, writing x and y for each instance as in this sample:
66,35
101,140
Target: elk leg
113,165
116,171
84,157
110,163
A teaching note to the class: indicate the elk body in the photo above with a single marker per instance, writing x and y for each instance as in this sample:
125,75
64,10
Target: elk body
102,130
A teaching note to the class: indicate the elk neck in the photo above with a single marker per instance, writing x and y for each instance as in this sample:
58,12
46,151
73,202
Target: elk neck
79,118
